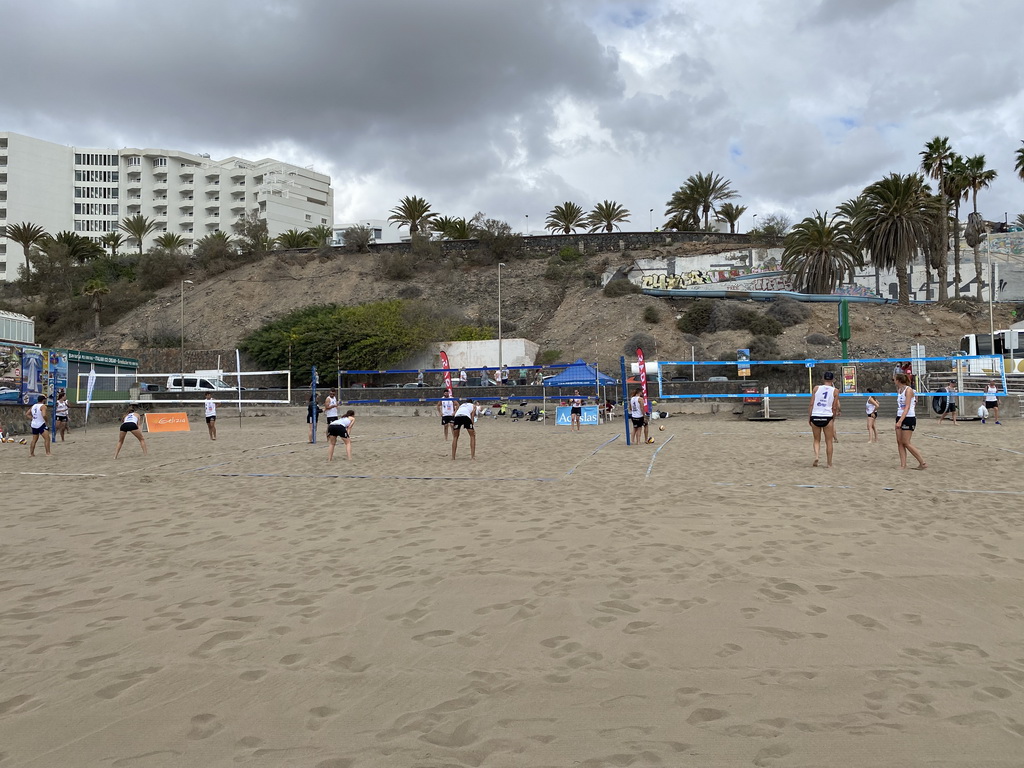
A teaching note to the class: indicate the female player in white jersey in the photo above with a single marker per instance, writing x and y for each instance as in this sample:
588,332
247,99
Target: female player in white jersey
906,420
820,415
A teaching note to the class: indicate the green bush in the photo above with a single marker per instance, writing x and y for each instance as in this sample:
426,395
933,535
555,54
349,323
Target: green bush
620,287
643,340
820,339
652,315
555,272
762,325
764,348
160,268
397,266
788,312
569,255
549,356
697,317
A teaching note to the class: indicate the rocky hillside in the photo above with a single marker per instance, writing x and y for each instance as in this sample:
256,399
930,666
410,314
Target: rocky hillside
570,315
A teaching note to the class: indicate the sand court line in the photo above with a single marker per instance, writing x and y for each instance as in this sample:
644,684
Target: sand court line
476,478
651,465
977,445
592,453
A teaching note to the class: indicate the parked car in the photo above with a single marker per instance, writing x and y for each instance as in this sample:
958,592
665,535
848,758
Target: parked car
8,395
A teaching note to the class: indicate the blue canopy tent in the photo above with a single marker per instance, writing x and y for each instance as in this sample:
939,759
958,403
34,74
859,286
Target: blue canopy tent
579,374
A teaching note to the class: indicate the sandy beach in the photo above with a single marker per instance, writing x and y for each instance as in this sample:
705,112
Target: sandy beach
564,600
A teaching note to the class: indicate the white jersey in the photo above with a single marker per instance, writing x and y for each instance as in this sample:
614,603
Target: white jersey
870,407
211,407
346,421
131,418
576,402
824,399
38,420
636,407
330,407
63,408
466,409
901,403
990,393
447,407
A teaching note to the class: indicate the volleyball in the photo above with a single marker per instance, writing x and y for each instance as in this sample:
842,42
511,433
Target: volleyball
661,428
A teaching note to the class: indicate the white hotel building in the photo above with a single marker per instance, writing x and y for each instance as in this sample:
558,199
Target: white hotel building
90,191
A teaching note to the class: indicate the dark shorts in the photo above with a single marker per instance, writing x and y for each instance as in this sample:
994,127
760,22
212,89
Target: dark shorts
330,419
38,430
637,423
873,415
62,418
951,408
129,427
576,411
821,421
462,421
909,424
447,419
337,430
210,419
990,404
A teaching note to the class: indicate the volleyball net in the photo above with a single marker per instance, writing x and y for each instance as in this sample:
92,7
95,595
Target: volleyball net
853,377
236,387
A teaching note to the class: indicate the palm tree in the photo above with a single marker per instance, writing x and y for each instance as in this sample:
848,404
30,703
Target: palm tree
113,241
935,159
606,216
451,228
565,218
956,192
1019,165
78,248
216,238
172,241
137,227
412,212
26,235
320,235
977,177
821,252
731,213
702,193
294,239
894,222
96,288
1019,221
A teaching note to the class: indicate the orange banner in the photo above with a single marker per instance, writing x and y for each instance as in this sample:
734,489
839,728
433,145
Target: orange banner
167,422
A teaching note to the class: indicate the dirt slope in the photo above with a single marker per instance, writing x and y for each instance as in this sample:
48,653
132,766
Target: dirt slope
568,316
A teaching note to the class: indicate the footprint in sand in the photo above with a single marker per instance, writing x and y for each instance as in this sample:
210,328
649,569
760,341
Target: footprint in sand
252,675
434,638
727,650
19,704
204,726
768,755
706,715
203,651
126,681
866,621
348,664
316,718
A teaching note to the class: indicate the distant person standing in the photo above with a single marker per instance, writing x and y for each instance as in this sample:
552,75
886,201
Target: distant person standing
465,416
463,378
63,412
210,406
419,378
992,401
949,407
130,424
446,410
485,380
906,420
522,377
331,406
575,411
636,415
504,375
37,414
312,411
871,409
820,415
340,428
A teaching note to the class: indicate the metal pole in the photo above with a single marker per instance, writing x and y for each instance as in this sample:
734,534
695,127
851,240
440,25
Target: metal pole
991,293
181,359
500,265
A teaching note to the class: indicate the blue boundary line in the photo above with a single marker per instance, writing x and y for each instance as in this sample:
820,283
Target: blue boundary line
593,453
651,465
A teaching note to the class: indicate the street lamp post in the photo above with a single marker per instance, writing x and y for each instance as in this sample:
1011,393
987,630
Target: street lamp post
991,294
181,360
527,228
754,225
500,265
652,219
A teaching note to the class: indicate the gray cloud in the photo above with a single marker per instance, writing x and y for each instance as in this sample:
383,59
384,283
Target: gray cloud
512,108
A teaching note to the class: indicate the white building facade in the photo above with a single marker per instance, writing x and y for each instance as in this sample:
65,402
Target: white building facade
89,191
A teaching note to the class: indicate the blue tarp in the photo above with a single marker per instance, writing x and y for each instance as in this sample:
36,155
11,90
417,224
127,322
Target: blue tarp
579,374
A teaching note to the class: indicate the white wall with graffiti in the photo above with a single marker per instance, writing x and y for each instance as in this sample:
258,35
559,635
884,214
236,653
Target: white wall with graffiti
759,269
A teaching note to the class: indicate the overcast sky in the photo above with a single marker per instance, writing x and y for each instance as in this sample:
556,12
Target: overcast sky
514,107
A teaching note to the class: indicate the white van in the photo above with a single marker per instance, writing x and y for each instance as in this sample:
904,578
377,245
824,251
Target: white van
194,382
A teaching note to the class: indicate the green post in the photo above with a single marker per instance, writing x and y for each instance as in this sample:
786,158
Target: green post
844,325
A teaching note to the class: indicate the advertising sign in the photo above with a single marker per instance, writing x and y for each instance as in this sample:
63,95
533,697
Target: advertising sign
849,379
743,362
167,422
563,415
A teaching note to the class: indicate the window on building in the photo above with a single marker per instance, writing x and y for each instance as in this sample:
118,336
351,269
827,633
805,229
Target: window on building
309,217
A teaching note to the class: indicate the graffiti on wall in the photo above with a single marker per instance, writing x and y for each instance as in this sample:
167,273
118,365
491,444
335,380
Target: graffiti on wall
696,278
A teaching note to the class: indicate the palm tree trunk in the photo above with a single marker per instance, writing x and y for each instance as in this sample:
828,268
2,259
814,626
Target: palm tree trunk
977,269
96,315
956,254
903,284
